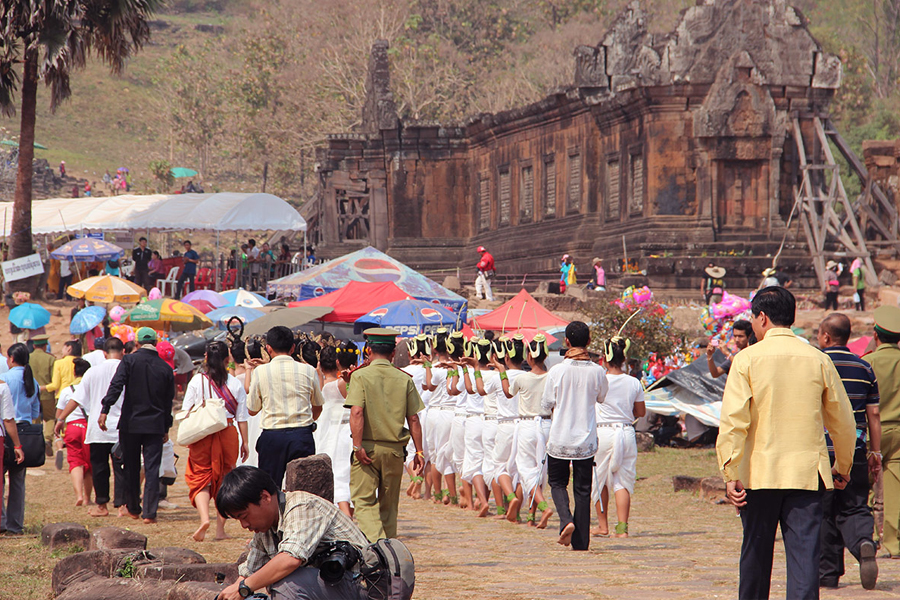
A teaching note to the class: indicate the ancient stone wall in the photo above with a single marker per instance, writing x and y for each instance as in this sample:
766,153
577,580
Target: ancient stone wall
671,144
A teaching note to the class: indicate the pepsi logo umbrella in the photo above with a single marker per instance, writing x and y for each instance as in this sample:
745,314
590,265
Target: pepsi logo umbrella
87,250
29,316
221,316
410,317
86,319
241,297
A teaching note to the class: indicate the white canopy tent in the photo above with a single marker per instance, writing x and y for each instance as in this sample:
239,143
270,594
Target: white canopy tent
212,212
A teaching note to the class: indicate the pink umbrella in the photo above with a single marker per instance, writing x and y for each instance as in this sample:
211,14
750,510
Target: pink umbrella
861,346
216,299
202,305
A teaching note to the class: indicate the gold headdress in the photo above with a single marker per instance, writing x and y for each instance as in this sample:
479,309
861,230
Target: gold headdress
481,349
413,343
610,344
451,345
539,340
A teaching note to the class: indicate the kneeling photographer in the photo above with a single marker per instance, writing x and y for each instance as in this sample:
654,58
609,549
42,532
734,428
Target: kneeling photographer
305,547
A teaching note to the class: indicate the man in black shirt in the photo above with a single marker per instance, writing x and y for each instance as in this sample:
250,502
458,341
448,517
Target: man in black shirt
141,257
149,385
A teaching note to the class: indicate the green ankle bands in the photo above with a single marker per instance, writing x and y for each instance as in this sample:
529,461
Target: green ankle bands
542,505
621,527
510,496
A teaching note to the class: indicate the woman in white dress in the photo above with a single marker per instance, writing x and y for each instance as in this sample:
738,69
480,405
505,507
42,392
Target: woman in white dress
508,415
456,388
214,456
615,465
532,430
332,432
419,368
481,428
440,420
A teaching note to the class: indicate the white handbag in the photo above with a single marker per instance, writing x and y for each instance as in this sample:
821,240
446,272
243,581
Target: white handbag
202,419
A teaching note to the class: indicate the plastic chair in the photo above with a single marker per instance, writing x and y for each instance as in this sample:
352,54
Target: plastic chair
170,280
230,277
203,279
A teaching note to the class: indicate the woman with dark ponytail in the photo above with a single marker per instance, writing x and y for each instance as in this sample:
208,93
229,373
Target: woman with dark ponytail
532,430
615,465
332,433
419,368
508,413
212,457
24,389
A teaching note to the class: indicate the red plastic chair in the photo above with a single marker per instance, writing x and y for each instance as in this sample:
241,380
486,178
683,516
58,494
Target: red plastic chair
204,279
230,277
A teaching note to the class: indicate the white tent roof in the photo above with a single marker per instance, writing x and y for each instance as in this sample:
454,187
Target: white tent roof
215,212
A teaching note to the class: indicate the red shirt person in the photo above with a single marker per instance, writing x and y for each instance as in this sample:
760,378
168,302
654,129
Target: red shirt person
485,274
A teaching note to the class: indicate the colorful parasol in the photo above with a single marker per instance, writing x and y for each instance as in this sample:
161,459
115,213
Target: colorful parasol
166,314
87,250
221,316
210,296
201,305
107,289
29,316
241,297
86,319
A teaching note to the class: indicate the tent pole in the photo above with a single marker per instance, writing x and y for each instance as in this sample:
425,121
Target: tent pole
303,260
216,262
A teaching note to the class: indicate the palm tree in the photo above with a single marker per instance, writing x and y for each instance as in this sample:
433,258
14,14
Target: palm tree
53,38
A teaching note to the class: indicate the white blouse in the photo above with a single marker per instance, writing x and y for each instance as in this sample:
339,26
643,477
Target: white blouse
200,388
530,388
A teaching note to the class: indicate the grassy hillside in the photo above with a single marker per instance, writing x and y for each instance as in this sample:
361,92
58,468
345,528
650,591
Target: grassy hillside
110,122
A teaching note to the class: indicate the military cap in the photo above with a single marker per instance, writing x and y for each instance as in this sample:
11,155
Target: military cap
381,335
40,340
887,319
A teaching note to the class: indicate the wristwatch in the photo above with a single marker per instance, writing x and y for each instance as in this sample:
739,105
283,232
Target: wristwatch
357,448
244,591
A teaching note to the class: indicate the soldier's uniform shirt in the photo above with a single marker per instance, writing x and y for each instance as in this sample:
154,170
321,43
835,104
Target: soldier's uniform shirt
42,367
387,396
885,361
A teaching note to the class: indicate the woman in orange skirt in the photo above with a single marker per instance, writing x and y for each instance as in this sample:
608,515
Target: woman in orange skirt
211,458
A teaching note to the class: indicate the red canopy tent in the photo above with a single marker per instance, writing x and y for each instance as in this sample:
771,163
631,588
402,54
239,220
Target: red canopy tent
355,300
521,312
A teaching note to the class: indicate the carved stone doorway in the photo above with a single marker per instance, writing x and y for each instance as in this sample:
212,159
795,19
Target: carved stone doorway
738,194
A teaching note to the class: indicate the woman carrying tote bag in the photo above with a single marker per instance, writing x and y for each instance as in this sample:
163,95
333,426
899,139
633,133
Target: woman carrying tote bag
212,457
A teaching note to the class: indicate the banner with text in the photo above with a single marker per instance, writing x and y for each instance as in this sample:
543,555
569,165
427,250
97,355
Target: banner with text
22,268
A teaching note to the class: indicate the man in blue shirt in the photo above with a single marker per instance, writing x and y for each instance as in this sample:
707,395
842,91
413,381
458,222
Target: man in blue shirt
189,272
848,521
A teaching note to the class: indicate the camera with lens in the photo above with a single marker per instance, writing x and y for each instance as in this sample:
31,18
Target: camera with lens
334,560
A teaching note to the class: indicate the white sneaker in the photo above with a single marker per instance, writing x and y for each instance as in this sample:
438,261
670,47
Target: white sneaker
167,505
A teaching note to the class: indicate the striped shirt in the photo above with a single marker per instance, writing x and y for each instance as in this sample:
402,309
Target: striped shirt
285,390
859,381
305,521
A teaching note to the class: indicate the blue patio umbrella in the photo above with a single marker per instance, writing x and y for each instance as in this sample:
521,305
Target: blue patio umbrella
86,319
29,316
410,317
221,316
242,297
87,250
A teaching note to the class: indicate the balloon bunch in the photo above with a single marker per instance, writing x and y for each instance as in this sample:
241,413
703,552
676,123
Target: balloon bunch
116,313
154,294
635,296
123,332
730,307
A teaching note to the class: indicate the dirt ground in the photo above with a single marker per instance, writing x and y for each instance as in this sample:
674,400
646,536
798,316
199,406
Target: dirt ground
681,546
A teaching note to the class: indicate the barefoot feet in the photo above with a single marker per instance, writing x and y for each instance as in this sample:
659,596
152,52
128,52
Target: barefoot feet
545,518
512,513
485,509
565,537
99,511
201,532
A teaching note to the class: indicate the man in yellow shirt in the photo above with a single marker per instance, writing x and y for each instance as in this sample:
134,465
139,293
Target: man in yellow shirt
885,361
780,396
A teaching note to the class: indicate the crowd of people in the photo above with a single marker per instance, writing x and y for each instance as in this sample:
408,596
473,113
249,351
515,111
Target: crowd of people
480,424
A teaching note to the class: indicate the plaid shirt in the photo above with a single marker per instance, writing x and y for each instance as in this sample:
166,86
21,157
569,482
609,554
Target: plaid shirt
305,521
285,391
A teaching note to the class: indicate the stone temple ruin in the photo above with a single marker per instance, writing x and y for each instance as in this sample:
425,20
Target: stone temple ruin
709,141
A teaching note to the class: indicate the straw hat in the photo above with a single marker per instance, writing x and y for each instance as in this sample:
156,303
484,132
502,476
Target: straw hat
831,265
715,272
596,260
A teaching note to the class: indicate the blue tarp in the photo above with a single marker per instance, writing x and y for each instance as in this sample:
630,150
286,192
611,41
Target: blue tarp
367,265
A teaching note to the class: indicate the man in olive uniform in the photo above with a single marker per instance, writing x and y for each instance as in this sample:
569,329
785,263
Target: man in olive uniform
42,366
885,361
382,399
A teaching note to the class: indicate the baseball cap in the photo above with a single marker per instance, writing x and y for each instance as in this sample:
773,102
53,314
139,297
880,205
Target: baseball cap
481,249
145,335
166,352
